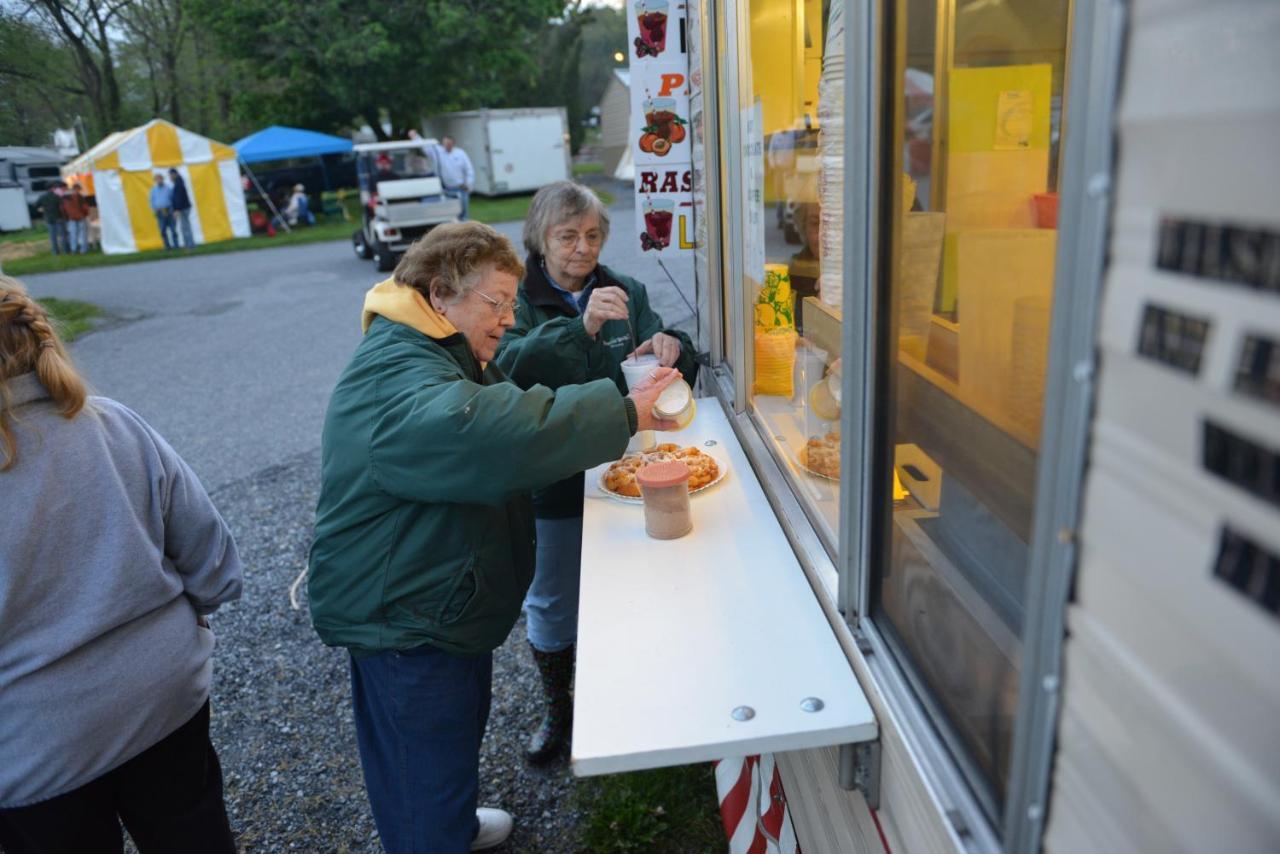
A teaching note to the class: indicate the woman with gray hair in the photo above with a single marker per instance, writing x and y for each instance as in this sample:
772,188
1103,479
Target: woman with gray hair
424,539
575,321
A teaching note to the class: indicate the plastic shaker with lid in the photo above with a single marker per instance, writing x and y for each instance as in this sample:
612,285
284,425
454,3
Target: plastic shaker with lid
676,403
665,489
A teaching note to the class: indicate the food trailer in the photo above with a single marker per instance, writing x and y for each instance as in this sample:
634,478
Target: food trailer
990,293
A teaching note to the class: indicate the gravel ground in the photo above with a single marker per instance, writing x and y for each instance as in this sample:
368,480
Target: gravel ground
282,701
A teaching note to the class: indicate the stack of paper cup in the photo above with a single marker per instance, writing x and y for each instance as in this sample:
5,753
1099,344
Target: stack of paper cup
831,158
635,371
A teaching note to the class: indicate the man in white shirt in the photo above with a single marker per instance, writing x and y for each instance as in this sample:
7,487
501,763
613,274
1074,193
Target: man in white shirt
456,172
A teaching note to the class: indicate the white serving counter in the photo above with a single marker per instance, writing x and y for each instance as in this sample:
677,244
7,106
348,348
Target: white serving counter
674,636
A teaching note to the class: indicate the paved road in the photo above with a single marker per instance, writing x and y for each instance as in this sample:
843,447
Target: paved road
232,357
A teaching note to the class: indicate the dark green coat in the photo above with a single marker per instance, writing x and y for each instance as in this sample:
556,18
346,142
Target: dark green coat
424,529
548,345
50,206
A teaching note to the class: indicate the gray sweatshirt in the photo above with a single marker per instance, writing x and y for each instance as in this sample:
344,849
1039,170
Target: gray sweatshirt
109,550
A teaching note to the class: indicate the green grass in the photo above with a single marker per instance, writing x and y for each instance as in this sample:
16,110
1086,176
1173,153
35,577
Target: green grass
500,208
72,317
594,167
511,208
669,811
23,236
38,258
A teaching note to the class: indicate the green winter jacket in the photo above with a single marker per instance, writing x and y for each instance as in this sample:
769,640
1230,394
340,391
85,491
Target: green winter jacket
424,529
548,345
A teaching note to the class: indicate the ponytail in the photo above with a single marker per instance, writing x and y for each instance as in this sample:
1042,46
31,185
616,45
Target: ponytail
29,343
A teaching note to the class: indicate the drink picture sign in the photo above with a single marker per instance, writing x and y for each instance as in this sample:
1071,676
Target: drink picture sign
661,144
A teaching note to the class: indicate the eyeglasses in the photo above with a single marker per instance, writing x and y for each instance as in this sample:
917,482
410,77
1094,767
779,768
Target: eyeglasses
499,307
569,239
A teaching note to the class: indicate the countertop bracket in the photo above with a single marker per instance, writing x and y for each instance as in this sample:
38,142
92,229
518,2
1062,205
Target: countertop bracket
860,770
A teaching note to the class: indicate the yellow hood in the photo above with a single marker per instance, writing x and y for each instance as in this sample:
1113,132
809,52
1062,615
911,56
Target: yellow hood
405,305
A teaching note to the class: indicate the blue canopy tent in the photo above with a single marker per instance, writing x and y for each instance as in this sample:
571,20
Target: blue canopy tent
277,143
282,143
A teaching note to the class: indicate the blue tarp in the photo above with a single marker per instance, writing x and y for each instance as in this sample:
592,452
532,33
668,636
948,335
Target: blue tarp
281,143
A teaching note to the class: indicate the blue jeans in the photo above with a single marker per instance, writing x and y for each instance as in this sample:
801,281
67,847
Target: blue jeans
58,236
78,235
164,220
420,717
551,605
183,218
461,195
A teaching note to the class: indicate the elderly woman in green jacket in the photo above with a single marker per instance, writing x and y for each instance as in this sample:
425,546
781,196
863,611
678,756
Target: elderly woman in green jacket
424,541
575,322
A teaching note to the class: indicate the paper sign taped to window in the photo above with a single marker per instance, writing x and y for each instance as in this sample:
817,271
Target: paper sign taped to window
1014,120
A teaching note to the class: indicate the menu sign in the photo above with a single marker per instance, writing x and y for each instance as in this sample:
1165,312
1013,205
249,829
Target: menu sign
661,143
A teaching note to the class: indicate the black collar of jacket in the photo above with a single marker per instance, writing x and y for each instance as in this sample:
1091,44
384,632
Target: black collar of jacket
540,292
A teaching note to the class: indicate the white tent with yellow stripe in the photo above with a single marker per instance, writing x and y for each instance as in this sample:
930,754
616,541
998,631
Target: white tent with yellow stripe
119,171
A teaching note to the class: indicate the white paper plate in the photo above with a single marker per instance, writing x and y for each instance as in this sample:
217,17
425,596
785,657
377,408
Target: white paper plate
721,463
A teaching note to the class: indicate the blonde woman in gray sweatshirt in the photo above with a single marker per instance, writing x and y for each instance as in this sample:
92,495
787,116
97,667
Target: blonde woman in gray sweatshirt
111,556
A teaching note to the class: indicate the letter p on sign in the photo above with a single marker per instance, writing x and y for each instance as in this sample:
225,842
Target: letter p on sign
669,82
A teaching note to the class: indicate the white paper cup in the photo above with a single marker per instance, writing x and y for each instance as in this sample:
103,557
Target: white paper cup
637,369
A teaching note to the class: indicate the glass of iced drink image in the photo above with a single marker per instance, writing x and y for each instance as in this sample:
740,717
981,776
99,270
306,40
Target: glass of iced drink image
652,17
658,214
660,116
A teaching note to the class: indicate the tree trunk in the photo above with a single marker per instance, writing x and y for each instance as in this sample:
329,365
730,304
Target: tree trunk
175,102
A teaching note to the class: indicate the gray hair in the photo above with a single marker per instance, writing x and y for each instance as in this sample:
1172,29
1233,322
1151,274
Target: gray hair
557,203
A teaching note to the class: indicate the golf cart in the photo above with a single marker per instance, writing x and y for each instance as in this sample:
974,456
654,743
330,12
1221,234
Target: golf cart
401,198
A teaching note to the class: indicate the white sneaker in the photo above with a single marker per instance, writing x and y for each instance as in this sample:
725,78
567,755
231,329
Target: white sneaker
495,827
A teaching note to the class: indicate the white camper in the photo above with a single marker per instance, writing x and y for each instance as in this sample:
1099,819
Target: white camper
513,151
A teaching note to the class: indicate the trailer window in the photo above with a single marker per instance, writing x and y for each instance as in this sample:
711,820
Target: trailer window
971,167
792,142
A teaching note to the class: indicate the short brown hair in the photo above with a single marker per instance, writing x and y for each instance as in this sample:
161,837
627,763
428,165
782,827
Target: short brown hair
450,258
28,342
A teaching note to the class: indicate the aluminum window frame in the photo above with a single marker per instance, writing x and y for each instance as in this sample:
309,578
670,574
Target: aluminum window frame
1096,41
1097,37
713,289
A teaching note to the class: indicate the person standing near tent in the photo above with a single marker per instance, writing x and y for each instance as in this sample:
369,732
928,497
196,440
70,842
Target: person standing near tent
456,173
51,209
75,209
181,209
162,205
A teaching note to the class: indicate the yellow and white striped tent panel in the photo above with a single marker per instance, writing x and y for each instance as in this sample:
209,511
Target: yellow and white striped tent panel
123,167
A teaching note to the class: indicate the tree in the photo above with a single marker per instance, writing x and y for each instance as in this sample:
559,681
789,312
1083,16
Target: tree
603,36
326,63
158,29
85,28
39,89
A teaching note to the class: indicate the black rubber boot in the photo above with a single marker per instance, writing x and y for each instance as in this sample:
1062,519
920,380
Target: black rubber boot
556,670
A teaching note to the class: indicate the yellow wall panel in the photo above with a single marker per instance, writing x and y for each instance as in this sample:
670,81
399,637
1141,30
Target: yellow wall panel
989,108
137,198
206,190
222,152
165,149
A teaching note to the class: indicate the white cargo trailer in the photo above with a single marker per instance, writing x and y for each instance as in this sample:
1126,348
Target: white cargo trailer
513,151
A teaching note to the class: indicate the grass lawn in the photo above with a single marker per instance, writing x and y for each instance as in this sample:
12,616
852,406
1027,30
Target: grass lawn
670,811
26,252
71,317
594,167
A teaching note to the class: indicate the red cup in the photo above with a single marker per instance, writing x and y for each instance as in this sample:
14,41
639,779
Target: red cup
1046,209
